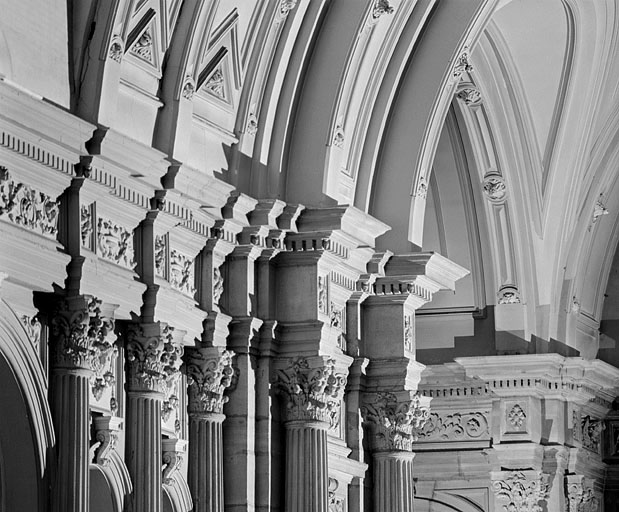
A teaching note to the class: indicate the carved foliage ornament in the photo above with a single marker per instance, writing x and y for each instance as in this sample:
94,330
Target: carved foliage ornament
116,49
494,186
462,65
153,359
519,493
79,336
208,376
517,418
33,329
215,84
143,47
285,6
380,8
395,425
86,226
590,433
409,332
454,427
26,207
470,96
312,392
218,285
161,256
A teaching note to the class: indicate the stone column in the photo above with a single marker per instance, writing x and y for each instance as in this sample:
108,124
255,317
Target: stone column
78,338
393,424
209,373
152,361
313,390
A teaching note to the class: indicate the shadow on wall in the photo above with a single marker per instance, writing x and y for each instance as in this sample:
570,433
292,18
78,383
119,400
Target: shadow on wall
488,342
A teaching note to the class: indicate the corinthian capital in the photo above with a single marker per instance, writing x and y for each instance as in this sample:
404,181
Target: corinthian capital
394,424
209,374
313,389
153,359
81,330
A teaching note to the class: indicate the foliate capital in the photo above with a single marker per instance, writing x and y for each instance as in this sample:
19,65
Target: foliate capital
313,389
209,373
153,359
81,334
394,424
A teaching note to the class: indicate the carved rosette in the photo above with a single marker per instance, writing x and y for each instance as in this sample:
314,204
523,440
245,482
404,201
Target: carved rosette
494,187
520,491
26,207
470,96
209,373
153,359
313,390
454,427
580,494
79,334
394,424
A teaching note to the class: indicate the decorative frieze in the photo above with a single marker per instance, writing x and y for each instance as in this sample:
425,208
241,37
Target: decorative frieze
209,373
520,491
454,427
182,272
394,424
115,243
79,334
312,389
25,206
153,360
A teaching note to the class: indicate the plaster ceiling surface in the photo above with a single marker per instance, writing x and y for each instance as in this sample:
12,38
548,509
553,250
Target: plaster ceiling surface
536,35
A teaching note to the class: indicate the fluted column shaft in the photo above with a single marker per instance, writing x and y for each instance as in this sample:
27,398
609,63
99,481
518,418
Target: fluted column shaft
206,462
69,399
307,476
144,450
393,482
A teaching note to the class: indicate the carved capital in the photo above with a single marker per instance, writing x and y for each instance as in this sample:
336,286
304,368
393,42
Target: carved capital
580,494
520,491
153,359
394,424
172,454
312,388
209,373
106,435
81,335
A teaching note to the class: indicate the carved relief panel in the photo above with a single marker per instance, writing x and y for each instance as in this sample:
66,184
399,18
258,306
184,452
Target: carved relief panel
520,419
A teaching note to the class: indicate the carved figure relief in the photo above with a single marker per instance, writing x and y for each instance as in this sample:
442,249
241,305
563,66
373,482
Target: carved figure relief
395,425
409,332
337,316
86,226
182,272
209,374
115,243
161,256
312,390
591,431
518,492
454,427
218,285
215,84
26,207
517,418
323,305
